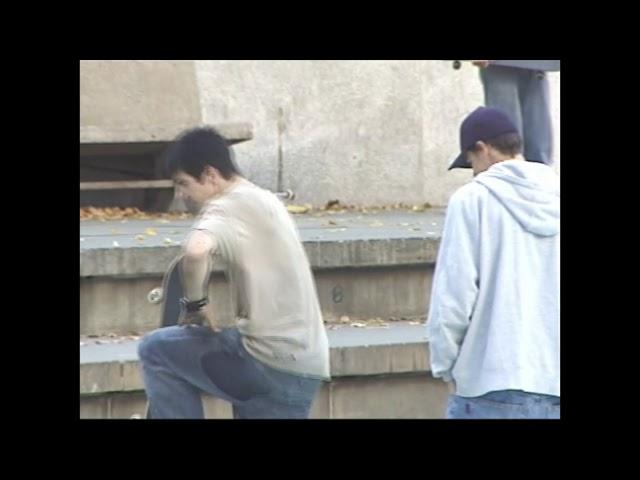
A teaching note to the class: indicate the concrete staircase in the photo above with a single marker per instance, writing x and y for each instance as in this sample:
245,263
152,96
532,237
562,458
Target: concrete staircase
366,265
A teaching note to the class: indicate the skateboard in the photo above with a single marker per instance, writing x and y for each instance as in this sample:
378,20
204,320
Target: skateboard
538,65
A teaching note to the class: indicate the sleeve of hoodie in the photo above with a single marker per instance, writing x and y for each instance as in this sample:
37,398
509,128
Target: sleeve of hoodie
455,283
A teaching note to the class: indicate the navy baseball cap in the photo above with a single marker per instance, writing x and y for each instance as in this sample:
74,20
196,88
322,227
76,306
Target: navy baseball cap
482,124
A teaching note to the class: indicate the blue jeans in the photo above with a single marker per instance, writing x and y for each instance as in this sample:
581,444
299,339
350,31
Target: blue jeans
524,96
182,362
504,404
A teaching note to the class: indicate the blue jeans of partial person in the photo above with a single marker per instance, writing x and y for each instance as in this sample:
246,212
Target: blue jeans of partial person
524,95
182,362
504,404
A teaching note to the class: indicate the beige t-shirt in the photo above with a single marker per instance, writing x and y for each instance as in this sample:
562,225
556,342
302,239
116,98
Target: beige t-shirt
274,293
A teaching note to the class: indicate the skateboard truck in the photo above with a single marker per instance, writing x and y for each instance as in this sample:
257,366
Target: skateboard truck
286,195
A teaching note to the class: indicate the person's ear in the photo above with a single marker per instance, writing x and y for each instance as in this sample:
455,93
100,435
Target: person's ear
210,174
480,146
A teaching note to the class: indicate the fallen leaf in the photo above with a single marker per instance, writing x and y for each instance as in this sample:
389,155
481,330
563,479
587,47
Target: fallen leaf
168,240
415,323
358,324
331,222
297,208
377,322
332,205
140,237
151,232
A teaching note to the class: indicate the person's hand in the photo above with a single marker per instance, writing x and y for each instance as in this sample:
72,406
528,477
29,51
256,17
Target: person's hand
480,63
202,318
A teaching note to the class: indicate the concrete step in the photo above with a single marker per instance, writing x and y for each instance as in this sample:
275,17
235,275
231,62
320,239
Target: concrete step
376,373
365,265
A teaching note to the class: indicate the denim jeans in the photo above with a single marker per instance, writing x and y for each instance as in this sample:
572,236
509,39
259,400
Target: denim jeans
504,404
524,95
180,363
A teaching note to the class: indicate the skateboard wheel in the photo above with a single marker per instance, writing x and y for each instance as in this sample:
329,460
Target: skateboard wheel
155,295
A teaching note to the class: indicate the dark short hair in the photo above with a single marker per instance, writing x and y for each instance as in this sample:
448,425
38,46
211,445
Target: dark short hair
194,149
507,143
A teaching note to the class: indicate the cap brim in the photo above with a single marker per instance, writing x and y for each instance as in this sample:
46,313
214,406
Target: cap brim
460,162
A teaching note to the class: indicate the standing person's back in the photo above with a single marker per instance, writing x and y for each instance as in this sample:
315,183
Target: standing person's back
494,319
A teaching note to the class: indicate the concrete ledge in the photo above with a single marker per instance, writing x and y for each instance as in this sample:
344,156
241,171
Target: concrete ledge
233,132
365,293
349,240
396,396
354,352
139,261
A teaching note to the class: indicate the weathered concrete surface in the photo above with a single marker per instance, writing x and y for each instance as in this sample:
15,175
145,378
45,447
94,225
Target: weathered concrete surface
365,132
137,100
120,305
399,348
376,373
331,241
365,266
393,397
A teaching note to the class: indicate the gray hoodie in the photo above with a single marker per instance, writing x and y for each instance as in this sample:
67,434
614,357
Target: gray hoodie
494,317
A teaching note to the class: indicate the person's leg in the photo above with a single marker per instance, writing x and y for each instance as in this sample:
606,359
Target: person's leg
505,404
472,408
291,396
501,91
180,363
536,116
543,406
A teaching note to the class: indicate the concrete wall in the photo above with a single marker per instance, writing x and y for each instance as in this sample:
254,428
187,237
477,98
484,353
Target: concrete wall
364,132
136,100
